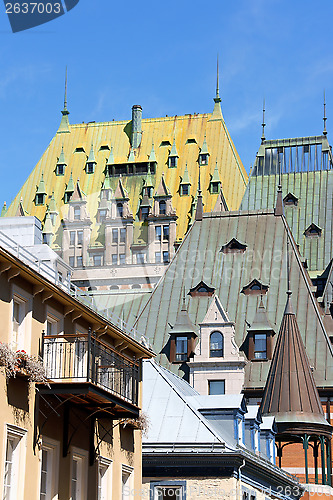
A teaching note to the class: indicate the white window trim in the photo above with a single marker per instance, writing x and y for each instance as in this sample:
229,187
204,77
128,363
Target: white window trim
107,480
24,336
14,432
82,457
54,316
53,446
126,469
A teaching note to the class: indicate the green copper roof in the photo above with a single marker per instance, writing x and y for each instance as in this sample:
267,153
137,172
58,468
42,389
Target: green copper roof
216,176
261,322
152,156
107,183
48,226
52,207
131,155
91,157
41,186
70,186
111,157
200,258
186,178
62,160
149,180
204,149
173,151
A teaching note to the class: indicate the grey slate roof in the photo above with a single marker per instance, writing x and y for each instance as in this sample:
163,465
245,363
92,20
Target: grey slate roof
199,258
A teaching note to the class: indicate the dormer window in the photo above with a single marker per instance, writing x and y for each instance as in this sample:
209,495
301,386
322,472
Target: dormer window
234,246
68,196
255,287
260,346
148,191
173,161
60,169
201,290
40,199
214,187
181,349
120,209
162,207
216,345
313,231
203,159
102,215
144,213
290,200
90,167
77,213
184,190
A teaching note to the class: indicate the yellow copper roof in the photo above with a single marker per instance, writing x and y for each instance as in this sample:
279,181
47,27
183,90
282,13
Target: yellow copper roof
117,135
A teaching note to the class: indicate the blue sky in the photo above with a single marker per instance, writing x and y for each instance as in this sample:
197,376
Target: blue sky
162,55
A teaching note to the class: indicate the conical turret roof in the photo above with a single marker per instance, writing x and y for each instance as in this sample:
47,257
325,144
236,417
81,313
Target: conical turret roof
261,322
290,393
52,208
204,149
183,323
173,151
152,156
41,186
91,157
186,177
111,157
62,159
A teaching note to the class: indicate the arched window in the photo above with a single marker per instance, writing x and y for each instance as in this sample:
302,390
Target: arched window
162,207
216,345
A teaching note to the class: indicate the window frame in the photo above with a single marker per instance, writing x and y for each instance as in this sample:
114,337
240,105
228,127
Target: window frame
214,353
106,485
77,213
255,351
23,340
18,435
211,382
181,355
129,472
53,447
81,457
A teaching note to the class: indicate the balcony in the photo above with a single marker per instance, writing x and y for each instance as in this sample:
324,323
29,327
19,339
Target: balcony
90,373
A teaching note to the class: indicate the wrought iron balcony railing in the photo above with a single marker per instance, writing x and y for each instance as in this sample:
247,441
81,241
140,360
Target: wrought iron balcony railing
83,358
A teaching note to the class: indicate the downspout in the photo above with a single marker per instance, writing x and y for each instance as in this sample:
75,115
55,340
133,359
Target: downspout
240,479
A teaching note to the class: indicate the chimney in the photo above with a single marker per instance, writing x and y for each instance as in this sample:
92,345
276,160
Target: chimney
136,125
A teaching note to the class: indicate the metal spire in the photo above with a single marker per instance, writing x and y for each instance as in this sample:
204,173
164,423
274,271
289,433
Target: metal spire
65,110
324,119
279,207
199,210
217,98
263,138
64,124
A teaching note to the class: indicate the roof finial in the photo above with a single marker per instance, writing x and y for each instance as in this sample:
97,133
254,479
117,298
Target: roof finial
325,131
217,97
65,98
263,138
64,124
279,208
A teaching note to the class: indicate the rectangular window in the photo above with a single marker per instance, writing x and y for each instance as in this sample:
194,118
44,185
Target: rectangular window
185,190
181,349
97,260
72,261
140,258
114,259
144,213
13,470
165,257
165,233
216,386
157,257
260,346
80,237
157,233
79,261
19,307
122,259
72,238
126,480
203,158
77,213
114,235
49,459
78,476
102,215
104,479
122,235
172,161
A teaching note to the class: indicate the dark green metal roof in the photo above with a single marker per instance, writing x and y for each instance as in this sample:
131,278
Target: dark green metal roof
199,259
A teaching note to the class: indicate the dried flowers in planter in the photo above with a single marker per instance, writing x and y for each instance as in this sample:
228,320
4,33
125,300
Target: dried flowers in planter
142,423
21,363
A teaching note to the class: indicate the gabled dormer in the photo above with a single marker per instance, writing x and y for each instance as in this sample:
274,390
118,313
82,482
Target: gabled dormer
290,200
215,182
221,204
48,231
61,164
152,159
121,204
69,189
109,163
201,290
173,156
233,246
185,184
162,206
204,154
148,186
91,162
182,337
260,336
52,209
313,231
255,287
77,205
41,192
104,206
217,367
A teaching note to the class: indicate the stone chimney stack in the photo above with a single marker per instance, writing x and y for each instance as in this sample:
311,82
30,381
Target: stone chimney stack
136,126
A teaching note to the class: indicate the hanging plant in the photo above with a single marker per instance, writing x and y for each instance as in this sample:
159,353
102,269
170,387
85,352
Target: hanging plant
20,363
